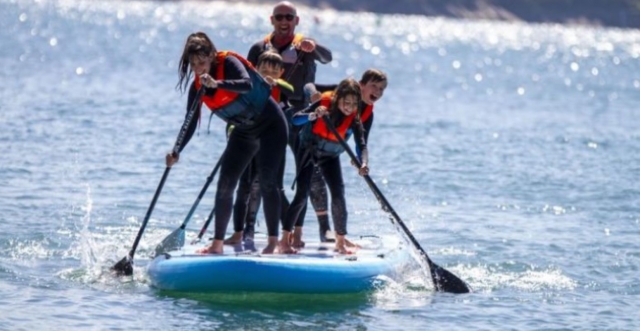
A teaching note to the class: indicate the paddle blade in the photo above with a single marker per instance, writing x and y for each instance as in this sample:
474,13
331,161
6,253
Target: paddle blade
124,267
172,242
445,281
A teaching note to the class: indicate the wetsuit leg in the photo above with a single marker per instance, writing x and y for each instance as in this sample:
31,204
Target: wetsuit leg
255,197
299,202
239,151
319,201
332,173
273,145
243,195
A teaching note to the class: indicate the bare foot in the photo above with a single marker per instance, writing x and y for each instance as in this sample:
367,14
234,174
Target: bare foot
284,247
341,249
296,238
272,243
349,243
342,243
236,238
214,248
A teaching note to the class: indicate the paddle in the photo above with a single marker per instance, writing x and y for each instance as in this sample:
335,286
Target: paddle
175,240
125,266
443,280
205,226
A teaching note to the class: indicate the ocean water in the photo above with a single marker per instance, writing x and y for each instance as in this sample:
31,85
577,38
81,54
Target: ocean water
511,151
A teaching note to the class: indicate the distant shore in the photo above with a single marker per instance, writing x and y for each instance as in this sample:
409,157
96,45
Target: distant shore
612,13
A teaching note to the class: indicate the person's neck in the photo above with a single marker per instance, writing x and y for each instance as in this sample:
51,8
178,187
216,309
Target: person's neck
279,40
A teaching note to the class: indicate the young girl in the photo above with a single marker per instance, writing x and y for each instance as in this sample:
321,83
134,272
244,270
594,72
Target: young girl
236,93
319,146
372,85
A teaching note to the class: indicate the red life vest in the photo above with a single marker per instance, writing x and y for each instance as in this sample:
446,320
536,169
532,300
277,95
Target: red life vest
320,128
221,97
275,93
366,113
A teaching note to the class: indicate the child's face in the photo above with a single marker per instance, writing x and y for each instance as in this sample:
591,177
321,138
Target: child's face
373,91
348,104
200,64
270,70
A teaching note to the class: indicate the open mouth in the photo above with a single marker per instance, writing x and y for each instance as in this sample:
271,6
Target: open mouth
373,98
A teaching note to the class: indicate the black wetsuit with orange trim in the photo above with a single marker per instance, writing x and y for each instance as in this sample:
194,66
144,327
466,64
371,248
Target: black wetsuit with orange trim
318,192
260,130
312,153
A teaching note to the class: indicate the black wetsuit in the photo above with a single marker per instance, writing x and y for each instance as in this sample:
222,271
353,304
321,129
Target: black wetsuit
247,196
260,130
318,191
309,155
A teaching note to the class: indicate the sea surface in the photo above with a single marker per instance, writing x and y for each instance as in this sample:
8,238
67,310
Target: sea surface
510,150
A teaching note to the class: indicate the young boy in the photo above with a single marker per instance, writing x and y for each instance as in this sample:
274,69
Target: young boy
271,67
372,85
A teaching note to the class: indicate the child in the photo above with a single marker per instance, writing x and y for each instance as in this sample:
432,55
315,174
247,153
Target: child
372,84
271,67
319,146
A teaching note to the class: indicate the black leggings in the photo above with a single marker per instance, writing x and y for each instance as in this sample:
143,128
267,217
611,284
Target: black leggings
332,173
248,197
267,138
317,194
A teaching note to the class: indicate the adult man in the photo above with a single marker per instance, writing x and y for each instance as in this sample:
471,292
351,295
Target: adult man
299,54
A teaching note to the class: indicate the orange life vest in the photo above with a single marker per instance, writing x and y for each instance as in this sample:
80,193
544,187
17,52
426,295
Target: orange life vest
275,93
366,113
221,97
297,39
320,127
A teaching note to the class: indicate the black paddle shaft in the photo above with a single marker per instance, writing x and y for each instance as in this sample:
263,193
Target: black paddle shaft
443,280
125,266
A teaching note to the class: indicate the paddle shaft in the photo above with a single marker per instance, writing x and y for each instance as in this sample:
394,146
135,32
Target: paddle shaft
176,149
438,283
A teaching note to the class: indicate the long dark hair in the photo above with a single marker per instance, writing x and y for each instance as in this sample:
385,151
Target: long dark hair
346,87
198,44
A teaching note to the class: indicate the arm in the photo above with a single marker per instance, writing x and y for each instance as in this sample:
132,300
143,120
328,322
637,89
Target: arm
361,144
367,129
194,124
304,116
322,54
237,78
254,53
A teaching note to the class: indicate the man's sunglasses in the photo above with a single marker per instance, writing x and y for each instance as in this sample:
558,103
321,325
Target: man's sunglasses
289,17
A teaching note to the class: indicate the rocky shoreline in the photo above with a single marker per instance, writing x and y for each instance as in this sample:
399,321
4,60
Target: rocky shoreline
612,13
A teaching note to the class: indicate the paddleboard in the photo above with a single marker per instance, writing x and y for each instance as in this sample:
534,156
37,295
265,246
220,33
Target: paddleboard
316,268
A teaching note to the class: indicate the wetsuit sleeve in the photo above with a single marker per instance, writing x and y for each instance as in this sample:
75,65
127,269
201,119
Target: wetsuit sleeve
302,117
325,87
322,54
254,53
361,143
367,129
194,123
237,78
